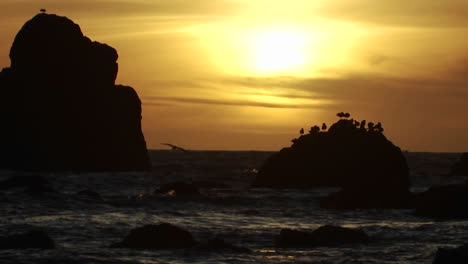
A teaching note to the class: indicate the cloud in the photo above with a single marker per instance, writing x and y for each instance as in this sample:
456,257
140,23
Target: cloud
355,85
285,95
415,13
154,100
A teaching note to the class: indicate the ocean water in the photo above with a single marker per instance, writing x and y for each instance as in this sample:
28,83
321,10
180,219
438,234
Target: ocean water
84,228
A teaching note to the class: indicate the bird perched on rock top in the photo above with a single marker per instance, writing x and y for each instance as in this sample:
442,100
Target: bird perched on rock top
324,126
174,147
43,10
301,131
314,129
346,115
363,124
379,127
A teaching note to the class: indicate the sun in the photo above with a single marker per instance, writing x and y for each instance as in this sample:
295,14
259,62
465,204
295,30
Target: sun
279,51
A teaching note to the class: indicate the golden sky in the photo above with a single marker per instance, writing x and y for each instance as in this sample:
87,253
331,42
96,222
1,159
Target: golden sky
247,75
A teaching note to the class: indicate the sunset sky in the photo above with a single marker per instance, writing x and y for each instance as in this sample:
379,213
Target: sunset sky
248,74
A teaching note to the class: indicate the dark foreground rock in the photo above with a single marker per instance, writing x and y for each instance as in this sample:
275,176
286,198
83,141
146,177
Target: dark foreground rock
446,201
30,239
162,236
60,108
460,168
452,255
350,155
322,237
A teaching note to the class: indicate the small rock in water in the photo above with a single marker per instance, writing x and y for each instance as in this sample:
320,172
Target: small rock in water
452,255
446,201
460,168
30,239
162,236
327,235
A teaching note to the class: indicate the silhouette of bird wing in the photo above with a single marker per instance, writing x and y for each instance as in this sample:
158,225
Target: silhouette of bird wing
174,147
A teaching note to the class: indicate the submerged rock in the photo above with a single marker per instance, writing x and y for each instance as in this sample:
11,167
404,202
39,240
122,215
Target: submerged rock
452,255
162,236
23,181
179,189
89,194
324,236
446,201
30,239
60,108
218,244
349,155
32,184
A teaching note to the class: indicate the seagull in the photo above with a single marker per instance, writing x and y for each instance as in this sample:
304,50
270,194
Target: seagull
301,131
174,147
43,10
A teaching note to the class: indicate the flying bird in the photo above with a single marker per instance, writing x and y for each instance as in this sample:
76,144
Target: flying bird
174,147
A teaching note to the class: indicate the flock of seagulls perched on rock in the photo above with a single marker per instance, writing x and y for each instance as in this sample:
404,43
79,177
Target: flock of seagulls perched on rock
361,125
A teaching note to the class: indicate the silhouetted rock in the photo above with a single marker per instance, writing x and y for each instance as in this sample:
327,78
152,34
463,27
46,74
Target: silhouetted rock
60,108
162,236
179,189
446,201
460,168
452,255
324,236
30,239
218,244
356,159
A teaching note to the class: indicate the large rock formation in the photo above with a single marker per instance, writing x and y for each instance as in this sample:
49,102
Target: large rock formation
350,155
59,106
